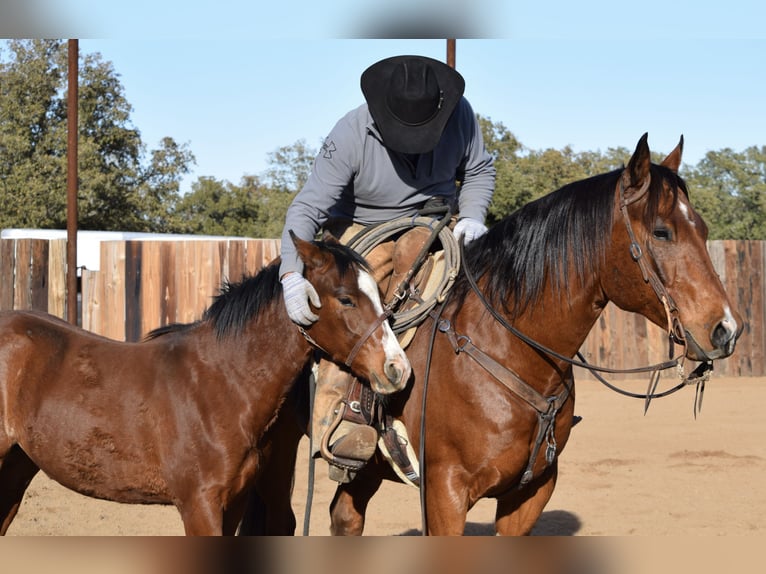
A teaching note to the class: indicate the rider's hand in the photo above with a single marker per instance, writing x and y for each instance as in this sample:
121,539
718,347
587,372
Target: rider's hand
297,292
469,229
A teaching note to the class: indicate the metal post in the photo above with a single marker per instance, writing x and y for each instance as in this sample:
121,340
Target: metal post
71,220
451,52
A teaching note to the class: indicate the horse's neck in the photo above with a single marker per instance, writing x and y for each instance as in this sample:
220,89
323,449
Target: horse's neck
559,323
268,350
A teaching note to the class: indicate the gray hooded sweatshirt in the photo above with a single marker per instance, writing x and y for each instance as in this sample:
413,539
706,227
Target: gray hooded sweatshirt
356,178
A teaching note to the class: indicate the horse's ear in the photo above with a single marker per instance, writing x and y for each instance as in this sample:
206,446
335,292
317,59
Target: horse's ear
673,161
328,237
636,175
310,254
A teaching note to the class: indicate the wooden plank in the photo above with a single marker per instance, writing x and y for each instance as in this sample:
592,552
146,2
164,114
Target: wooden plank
57,266
186,281
112,272
749,261
38,275
92,300
207,260
133,272
760,314
149,291
261,252
223,261
21,277
718,258
7,267
236,261
168,288
739,361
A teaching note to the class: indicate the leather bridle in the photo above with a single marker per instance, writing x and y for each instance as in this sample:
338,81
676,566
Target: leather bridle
382,318
675,328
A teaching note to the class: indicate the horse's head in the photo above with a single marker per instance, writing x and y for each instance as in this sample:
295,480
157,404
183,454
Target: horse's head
660,264
352,327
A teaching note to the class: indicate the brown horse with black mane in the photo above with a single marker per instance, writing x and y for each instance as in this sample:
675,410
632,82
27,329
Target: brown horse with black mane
180,418
499,409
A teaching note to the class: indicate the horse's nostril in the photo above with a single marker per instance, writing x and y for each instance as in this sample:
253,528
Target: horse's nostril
393,373
722,334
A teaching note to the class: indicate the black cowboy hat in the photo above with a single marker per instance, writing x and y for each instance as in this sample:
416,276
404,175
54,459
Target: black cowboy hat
411,98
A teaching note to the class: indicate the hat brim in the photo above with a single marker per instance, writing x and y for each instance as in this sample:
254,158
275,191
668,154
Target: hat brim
397,135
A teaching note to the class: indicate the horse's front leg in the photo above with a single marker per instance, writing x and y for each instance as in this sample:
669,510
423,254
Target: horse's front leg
201,517
349,505
446,502
518,511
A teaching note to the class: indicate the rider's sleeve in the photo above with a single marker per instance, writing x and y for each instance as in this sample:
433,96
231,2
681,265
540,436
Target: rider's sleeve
478,170
331,173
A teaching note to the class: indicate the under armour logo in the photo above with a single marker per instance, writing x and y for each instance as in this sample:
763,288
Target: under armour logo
327,148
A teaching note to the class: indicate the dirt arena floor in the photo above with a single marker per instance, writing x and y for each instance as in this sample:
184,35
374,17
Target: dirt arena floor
623,473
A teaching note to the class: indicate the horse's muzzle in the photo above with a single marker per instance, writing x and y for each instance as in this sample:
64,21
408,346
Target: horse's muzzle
397,373
723,339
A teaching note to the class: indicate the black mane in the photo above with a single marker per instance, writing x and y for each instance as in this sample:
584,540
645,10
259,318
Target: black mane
571,224
238,303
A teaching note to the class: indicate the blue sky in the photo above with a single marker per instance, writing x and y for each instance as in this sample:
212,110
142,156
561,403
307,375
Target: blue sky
236,80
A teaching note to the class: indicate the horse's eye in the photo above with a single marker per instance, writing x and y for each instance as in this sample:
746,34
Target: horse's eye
663,233
346,301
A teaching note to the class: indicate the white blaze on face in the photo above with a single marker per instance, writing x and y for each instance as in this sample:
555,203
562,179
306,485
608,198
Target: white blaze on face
368,286
729,322
686,210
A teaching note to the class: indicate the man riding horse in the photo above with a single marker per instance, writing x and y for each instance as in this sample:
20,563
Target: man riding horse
415,141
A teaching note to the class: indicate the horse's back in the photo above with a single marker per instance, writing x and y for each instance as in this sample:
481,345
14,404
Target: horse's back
48,365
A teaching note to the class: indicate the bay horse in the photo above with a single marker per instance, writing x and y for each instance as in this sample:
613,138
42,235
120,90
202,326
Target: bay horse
179,418
498,409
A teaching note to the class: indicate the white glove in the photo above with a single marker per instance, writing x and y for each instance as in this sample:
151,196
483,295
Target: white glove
297,291
469,229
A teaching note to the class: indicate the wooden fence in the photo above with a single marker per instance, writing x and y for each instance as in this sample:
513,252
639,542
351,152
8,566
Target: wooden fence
142,285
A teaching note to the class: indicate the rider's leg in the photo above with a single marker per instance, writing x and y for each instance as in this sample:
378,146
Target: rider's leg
346,445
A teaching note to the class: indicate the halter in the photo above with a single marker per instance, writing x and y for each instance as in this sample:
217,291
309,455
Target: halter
362,340
675,328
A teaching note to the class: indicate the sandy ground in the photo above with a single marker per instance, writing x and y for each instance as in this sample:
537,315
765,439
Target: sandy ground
623,473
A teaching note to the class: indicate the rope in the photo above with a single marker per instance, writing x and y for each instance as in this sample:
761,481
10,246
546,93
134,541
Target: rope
364,241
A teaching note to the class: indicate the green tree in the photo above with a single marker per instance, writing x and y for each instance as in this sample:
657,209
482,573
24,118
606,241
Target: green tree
728,189
272,208
116,189
216,207
290,166
160,186
510,194
32,135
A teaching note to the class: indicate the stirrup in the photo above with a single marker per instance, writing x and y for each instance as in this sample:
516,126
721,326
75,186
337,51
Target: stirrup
344,465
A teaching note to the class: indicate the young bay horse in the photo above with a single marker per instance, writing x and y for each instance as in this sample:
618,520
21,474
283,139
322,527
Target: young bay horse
498,409
179,418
